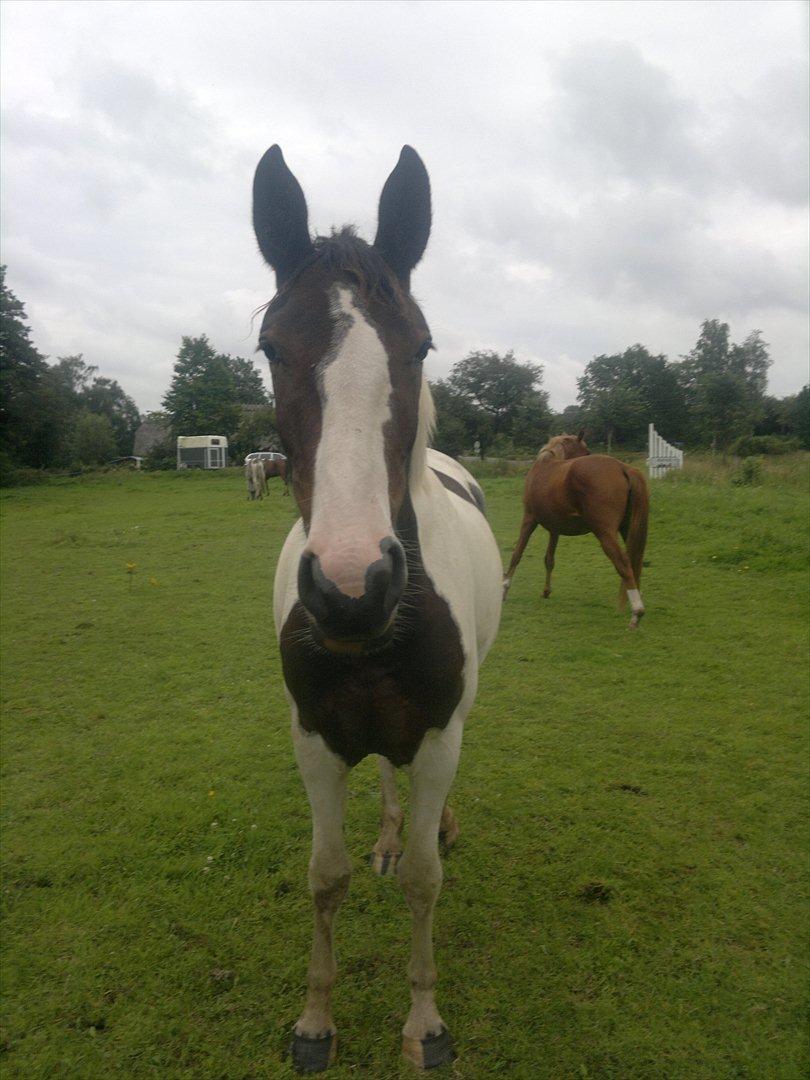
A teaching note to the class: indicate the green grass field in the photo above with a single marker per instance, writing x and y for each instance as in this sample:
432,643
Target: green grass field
629,895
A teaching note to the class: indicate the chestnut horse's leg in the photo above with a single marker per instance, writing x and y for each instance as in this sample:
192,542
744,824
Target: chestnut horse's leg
324,774
549,560
425,1040
387,850
620,559
527,527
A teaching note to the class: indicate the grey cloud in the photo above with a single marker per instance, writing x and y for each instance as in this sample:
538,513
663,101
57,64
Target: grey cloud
764,141
621,115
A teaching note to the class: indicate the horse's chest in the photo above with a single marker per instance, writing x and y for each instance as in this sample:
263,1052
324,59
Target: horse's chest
379,704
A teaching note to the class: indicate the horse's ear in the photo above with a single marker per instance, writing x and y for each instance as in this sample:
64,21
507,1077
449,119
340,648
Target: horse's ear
280,215
403,223
581,435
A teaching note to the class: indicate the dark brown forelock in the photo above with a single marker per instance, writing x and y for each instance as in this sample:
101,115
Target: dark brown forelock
345,253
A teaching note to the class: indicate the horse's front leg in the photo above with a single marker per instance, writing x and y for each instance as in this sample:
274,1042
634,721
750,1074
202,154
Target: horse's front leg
387,850
426,1042
324,773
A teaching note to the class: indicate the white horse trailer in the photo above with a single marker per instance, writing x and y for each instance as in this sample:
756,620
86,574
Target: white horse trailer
202,452
662,456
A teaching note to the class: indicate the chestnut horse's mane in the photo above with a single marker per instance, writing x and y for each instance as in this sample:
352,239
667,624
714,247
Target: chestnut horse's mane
553,449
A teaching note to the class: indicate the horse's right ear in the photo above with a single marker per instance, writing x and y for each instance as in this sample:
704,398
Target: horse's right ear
280,215
403,222
581,435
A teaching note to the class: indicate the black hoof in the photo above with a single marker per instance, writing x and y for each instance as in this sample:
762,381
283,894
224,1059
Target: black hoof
438,1050
384,865
312,1055
431,1052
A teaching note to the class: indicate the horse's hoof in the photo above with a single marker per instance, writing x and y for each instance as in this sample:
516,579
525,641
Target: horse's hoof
448,837
546,593
313,1055
636,619
384,864
430,1052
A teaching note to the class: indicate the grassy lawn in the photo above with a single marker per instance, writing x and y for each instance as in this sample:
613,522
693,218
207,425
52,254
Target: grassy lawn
629,895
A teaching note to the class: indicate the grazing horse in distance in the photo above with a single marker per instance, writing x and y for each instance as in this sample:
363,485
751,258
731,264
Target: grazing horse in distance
254,474
258,470
570,491
276,466
387,592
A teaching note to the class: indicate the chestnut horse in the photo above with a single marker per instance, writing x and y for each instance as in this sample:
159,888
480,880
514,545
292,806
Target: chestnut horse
276,467
387,592
570,491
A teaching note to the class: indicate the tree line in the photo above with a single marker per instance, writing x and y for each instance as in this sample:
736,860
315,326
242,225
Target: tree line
713,397
64,414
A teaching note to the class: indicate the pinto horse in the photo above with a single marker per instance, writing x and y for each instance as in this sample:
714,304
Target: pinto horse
570,491
387,592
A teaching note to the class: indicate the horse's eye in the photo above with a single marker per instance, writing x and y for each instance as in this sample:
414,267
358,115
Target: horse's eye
270,352
423,350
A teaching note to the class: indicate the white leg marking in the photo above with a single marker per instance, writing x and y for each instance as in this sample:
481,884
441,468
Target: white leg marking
420,873
324,775
634,596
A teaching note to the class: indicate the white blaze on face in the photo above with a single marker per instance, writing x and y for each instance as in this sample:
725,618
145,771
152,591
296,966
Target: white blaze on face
350,508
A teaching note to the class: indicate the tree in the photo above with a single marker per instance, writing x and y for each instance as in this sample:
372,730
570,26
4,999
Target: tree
22,367
619,414
93,439
457,420
105,397
622,393
724,384
248,386
570,421
202,397
498,387
798,416
257,430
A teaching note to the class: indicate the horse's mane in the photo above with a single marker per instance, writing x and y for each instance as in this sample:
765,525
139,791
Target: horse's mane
424,433
345,252
553,450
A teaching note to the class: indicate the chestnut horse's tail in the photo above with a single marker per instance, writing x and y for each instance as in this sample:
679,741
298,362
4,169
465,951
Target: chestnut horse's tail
634,526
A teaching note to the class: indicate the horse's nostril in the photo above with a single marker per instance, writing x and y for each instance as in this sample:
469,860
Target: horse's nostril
342,615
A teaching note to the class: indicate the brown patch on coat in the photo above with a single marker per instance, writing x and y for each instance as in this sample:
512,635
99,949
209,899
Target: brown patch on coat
382,703
458,489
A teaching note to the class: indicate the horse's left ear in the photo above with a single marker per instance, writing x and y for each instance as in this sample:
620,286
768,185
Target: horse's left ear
403,223
581,435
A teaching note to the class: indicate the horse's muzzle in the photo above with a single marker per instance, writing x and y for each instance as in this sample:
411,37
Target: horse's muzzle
344,620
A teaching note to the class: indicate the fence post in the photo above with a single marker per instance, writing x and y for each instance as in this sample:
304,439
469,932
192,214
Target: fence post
661,456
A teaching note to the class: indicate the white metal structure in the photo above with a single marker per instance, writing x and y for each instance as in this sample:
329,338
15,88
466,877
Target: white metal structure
661,457
202,452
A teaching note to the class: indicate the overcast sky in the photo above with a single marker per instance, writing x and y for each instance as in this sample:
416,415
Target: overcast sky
602,174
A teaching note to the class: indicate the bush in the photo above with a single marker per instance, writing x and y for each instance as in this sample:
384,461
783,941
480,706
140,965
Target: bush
749,473
162,456
755,445
14,475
